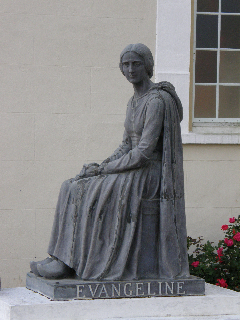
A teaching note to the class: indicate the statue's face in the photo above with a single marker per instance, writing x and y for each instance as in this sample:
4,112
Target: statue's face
134,68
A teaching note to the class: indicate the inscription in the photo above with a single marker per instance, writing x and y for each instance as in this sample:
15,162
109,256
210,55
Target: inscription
68,289
130,289
93,292
169,288
180,287
115,290
128,292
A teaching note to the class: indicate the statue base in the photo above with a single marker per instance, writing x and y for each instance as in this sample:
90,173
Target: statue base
70,288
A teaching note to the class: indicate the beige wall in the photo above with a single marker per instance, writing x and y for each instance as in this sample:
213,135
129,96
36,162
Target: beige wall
63,101
212,188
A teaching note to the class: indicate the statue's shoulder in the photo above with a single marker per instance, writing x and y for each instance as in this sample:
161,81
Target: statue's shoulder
130,101
169,94
164,90
155,95
155,101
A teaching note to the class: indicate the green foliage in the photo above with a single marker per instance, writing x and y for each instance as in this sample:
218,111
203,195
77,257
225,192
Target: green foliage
218,264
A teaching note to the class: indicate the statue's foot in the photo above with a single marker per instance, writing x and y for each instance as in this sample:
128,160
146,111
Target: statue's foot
53,270
184,275
33,265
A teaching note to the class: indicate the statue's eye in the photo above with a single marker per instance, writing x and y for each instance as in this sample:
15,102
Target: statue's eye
125,64
137,64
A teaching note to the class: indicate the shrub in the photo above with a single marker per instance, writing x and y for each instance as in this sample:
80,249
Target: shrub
219,264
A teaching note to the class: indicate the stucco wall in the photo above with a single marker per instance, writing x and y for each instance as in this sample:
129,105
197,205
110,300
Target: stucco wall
212,188
63,102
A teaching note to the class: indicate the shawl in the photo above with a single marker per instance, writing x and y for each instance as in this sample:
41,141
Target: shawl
173,258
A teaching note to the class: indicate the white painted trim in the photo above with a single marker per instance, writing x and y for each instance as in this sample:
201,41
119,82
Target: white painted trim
173,29
195,138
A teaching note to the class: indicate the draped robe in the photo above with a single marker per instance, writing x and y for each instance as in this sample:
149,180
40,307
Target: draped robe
99,221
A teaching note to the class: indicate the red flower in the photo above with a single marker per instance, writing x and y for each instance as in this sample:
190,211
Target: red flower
224,227
234,231
219,252
222,283
232,220
229,242
195,264
237,236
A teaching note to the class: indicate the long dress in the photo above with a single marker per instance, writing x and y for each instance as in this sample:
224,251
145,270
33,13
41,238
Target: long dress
99,223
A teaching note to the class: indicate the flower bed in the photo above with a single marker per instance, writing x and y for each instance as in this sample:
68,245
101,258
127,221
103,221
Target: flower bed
219,264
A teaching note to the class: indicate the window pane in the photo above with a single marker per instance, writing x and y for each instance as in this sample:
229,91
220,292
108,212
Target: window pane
207,5
207,31
230,32
231,6
229,102
205,102
229,67
206,67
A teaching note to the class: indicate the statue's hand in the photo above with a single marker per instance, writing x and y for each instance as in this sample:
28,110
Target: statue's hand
88,170
91,171
93,164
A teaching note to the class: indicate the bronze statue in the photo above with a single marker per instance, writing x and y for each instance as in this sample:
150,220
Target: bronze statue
125,218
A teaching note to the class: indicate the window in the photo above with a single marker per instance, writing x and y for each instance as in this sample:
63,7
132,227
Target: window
216,70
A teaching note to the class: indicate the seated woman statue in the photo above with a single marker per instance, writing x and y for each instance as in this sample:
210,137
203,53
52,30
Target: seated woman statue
125,218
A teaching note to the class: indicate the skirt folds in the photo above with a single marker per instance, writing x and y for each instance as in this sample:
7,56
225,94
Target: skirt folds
97,227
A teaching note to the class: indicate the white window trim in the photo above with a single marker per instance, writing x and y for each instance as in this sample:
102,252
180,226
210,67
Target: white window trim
172,61
218,50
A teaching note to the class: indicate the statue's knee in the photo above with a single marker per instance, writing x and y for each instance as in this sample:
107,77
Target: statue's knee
66,185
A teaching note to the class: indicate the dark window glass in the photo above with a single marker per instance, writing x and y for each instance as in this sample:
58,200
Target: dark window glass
229,102
232,6
230,32
229,71
207,31
205,102
206,67
207,5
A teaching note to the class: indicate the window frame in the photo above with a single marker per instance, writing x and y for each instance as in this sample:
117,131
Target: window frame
218,50
174,63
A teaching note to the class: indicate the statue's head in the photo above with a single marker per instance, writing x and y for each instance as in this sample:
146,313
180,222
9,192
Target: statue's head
144,52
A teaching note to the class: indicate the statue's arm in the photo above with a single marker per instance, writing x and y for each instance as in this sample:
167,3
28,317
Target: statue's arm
138,156
93,169
124,148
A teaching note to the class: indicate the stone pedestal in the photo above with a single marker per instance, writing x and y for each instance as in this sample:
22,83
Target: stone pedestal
216,304
68,289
